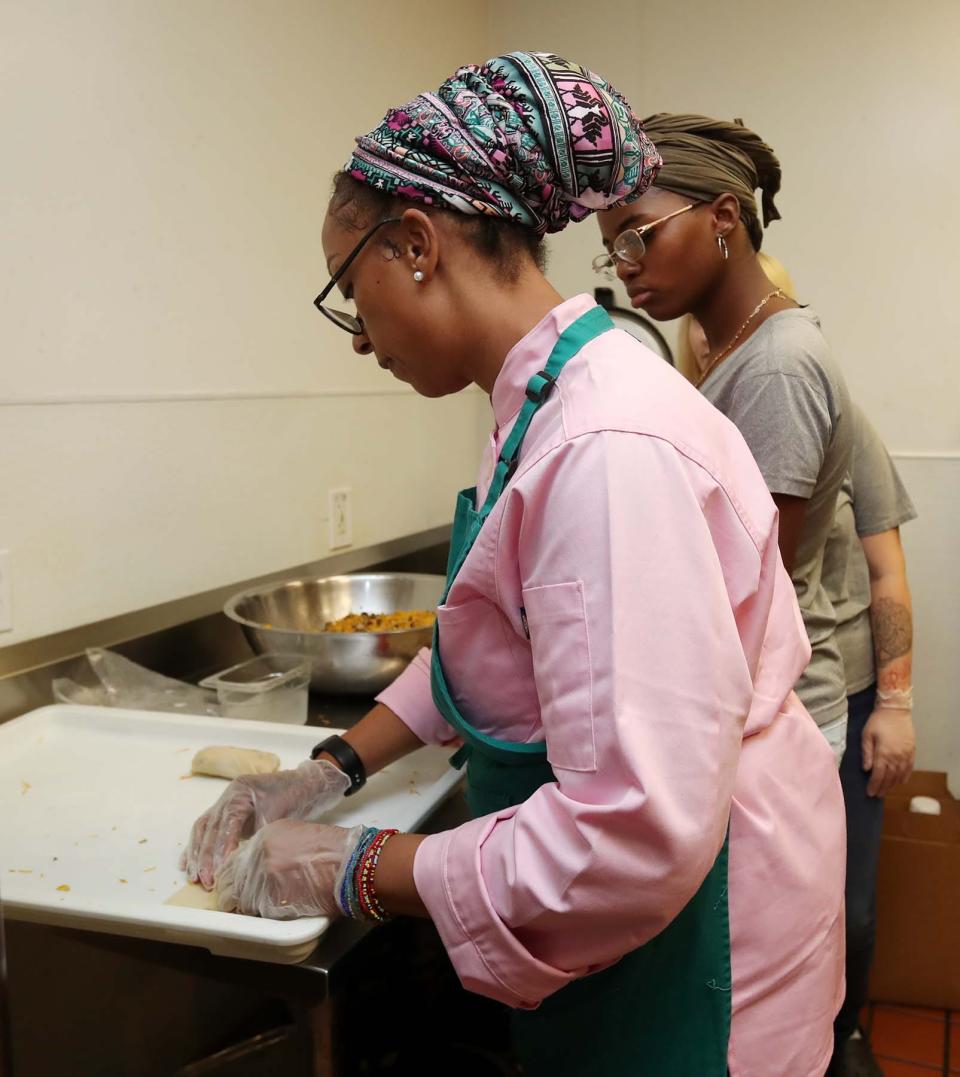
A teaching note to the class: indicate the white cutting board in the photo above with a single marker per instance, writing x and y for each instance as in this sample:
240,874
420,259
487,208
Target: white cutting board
94,798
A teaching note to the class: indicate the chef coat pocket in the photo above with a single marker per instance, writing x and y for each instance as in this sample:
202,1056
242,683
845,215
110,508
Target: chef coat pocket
560,644
471,645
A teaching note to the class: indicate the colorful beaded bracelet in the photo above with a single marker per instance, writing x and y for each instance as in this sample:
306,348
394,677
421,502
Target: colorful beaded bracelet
366,871
346,898
357,897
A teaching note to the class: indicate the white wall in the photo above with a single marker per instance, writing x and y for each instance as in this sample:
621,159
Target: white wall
930,543
173,409
861,100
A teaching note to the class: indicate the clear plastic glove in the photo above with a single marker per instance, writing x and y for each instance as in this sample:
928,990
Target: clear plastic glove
288,869
889,746
248,803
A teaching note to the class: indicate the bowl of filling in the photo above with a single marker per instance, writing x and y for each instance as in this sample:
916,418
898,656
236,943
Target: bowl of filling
359,630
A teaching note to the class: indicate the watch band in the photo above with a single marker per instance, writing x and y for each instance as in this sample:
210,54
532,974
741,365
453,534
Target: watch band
350,763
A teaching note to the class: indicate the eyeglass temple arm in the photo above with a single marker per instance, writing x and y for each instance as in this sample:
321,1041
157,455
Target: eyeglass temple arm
359,247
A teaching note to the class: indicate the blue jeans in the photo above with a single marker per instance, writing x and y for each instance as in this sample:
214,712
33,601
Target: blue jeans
864,828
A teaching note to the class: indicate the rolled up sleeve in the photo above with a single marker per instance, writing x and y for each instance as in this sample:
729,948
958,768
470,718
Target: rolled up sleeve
411,700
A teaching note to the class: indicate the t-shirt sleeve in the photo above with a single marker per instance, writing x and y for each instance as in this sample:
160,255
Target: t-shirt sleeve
880,499
785,420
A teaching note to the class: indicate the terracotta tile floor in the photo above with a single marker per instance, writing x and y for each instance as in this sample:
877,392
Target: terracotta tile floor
913,1042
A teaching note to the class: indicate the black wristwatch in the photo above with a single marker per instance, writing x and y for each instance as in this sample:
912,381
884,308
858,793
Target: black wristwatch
350,763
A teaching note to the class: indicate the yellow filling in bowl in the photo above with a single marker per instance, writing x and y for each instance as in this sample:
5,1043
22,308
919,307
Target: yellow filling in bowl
382,622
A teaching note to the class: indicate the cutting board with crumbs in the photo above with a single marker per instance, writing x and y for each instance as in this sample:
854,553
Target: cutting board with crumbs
95,805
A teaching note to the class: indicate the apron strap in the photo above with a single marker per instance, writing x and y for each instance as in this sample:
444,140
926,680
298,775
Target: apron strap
589,325
539,387
470,519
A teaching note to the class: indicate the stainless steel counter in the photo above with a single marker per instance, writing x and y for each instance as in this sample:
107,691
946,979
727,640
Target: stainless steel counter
54,972
184,635
105,994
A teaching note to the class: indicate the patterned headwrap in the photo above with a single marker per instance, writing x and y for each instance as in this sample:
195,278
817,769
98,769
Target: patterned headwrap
527,137
704,158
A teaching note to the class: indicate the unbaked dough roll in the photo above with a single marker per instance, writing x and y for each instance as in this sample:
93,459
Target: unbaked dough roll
221,761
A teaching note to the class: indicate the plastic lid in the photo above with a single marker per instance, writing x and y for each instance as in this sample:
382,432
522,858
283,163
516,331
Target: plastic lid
261,674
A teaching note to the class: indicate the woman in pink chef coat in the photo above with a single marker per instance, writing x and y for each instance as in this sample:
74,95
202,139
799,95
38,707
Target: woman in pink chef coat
653,879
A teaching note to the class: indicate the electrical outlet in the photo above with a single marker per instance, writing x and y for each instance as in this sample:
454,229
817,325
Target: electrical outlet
6,593
341,518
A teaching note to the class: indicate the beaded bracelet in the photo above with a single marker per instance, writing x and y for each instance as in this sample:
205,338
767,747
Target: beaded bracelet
365,874
357,897
346,898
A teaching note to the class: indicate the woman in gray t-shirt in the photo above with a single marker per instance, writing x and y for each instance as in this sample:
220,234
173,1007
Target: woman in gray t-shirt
690,246
865,575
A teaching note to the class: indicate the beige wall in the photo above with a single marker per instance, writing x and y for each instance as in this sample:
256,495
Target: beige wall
173,409
861,100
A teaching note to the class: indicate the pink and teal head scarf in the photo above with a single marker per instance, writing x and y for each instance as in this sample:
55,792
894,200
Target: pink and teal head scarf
527,137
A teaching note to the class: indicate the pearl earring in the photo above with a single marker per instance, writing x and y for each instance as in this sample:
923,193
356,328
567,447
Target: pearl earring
418,276
724,249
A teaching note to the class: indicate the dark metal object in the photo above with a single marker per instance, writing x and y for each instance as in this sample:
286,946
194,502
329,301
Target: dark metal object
6,1035
635,324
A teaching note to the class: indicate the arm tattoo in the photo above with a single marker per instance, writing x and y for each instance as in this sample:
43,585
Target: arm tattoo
892,630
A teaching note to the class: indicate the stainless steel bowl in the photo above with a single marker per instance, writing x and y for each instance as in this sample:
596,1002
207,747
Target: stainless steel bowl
288,618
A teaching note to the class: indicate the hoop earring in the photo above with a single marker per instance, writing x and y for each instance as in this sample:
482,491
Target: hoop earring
418,276
724,249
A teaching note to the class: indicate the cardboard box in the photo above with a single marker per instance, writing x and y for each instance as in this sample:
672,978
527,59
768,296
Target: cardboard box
918,899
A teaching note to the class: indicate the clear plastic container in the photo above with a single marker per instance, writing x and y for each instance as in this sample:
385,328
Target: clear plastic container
270,688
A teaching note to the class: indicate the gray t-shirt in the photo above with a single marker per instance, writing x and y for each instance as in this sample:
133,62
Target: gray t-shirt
872,499
785,393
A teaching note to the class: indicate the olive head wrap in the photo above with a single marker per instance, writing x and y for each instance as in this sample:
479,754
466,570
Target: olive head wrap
703,158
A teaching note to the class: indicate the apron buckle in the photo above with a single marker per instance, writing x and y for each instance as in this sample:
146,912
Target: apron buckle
539,393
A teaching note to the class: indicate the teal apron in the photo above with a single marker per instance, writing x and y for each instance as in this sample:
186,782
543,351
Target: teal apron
664,1009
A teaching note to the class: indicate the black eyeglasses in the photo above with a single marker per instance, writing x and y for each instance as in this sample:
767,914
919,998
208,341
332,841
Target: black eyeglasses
350,322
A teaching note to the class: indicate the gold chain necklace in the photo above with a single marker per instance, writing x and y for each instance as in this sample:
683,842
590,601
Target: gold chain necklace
739,333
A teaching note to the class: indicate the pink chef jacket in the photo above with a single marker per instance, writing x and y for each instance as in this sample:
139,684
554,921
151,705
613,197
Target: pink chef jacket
640,541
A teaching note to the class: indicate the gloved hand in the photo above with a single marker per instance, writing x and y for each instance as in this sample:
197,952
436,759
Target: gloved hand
288,869
252,801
